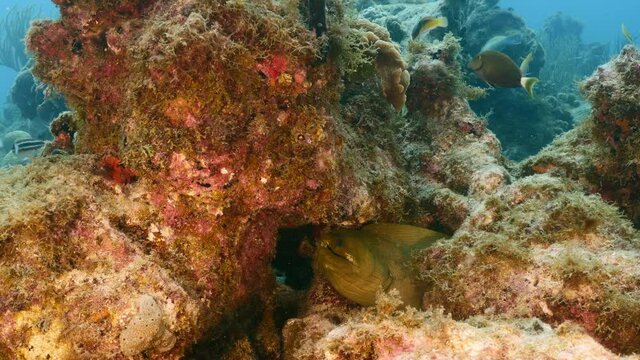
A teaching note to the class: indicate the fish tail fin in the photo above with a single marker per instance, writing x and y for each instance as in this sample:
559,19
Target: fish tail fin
524,67
528,83
444,22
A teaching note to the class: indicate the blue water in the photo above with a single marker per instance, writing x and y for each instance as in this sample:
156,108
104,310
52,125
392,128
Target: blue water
601,19
7,75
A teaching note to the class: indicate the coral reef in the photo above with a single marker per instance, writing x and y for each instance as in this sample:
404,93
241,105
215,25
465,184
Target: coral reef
93,270
204,132
524,125
537,247
392,71
601,153
399,18
35,100
30,108
384,332
478,21
225,133
63,128
541,248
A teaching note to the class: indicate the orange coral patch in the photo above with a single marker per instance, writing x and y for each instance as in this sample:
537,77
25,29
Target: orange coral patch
116,172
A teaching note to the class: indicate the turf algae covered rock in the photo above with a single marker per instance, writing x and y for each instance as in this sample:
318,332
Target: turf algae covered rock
71,269
386,332
542,248
601,152
202,128
536,246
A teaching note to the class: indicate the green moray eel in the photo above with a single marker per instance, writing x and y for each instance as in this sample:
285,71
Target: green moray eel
358,263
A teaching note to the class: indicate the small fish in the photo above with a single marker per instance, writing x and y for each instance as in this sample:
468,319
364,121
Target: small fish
427,24
497,69
627,34
27,149
25,145
359,263
501,42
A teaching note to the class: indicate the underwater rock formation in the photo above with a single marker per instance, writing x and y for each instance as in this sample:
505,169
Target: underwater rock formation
538,247
601,152
201,128
385,332
541,248
30,108
71,272
522,124
208,129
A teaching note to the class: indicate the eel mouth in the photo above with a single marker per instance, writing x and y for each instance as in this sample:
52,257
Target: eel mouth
348,256
334,252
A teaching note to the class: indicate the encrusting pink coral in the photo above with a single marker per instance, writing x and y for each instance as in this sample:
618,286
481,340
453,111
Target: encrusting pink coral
233,130
230,131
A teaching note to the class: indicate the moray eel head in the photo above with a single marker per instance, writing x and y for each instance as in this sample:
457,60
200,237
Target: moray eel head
351,267
358,263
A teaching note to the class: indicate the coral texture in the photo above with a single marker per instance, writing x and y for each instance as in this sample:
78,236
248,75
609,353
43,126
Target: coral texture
201,129
601,152
538,246
387,333
541,248
208,129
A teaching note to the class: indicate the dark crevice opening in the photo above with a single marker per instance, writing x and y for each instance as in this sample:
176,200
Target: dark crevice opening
292,264
292,268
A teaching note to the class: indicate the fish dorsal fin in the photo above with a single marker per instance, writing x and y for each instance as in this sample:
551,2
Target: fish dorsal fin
404,234
524,67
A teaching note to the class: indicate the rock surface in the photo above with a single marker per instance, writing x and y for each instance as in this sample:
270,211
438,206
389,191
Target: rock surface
202,128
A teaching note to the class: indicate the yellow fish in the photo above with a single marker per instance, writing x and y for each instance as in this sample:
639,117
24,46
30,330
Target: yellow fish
627,34
427,24
359,263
